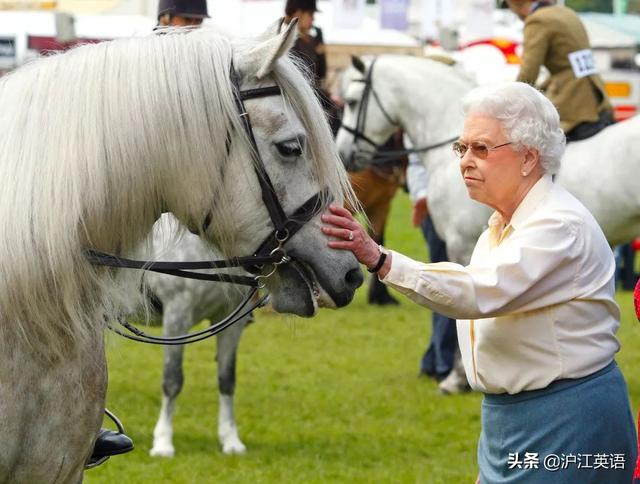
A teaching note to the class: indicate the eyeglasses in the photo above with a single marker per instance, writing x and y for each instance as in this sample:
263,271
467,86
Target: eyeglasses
477,148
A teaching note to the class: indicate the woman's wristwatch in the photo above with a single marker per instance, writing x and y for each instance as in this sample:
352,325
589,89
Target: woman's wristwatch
383,257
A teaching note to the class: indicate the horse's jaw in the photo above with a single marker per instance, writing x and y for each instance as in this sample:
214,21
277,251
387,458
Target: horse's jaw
319,296
299,292
292,292
301,289
353,157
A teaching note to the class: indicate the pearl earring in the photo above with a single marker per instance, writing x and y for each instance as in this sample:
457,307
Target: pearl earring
524,173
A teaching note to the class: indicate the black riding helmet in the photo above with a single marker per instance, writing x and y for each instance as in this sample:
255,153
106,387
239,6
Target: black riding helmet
183,8
304,5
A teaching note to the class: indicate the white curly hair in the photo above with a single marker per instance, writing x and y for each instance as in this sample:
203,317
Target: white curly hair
528,118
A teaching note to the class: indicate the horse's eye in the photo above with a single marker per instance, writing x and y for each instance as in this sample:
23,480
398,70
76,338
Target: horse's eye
289,149
351,103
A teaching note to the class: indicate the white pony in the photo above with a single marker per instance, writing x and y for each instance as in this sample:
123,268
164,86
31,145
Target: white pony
424,98
185,302
94,145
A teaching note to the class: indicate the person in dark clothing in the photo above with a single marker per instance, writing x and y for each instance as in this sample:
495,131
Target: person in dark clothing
182,13
310,49
309,46
439,357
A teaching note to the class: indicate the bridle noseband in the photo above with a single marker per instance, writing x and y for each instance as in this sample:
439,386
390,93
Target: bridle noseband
270,251
379,156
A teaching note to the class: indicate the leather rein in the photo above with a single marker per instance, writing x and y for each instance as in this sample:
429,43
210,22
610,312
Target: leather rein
380,155
271,250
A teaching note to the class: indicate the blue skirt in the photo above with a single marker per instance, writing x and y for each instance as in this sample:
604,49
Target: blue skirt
573,431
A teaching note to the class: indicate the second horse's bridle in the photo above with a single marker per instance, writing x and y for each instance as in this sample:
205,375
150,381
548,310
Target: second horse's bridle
379,156
271,250
367,92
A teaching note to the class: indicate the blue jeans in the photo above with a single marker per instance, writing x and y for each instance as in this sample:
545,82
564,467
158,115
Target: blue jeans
625,267
437,360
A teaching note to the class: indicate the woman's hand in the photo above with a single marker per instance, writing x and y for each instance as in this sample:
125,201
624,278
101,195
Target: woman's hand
350,234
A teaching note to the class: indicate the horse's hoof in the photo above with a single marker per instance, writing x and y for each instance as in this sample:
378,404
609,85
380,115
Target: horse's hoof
162,451
383,300
454,384
233,447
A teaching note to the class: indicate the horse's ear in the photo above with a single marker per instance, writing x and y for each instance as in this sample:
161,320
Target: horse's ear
268,52
273,29
358,64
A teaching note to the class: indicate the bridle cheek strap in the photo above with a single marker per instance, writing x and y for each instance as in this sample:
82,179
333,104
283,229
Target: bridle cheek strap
269,198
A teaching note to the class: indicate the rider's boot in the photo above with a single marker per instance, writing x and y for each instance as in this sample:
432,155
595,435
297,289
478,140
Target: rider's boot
108,443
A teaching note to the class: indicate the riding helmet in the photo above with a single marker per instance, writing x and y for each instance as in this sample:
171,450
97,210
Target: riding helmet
183,8
305,5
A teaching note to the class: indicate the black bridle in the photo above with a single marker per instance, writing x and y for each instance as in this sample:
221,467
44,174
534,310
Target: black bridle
367,92
379,156
270,251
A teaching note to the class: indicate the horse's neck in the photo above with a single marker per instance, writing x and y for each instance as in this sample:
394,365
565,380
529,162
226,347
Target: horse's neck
429,100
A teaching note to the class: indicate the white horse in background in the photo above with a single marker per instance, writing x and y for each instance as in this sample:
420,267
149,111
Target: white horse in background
94,145
185,302
423,97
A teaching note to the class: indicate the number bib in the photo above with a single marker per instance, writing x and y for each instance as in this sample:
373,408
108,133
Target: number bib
582,63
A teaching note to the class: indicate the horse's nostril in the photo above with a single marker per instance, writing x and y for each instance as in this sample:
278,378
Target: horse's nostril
354,278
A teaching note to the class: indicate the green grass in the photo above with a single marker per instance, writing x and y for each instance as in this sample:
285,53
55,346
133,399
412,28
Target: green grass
330,399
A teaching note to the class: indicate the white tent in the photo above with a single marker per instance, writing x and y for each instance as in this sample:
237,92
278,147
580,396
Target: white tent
17,26
251,17
604,37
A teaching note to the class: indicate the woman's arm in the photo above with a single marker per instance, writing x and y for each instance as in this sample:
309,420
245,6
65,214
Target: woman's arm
537,266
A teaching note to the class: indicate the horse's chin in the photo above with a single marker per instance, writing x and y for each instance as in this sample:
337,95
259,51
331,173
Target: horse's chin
300,293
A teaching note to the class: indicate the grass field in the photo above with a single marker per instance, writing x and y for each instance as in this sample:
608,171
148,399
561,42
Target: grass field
330,399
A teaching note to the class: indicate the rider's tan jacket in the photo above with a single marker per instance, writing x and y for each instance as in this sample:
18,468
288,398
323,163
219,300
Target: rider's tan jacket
551,34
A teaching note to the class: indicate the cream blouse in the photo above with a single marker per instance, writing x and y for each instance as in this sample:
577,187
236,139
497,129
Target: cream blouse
535,304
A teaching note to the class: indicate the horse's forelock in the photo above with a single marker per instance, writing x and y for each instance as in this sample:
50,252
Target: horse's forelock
322,150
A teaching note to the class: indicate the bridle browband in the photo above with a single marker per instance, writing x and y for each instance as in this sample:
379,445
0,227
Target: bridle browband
381,156
270,251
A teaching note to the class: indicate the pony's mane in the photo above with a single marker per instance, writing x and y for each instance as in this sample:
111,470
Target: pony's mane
89,146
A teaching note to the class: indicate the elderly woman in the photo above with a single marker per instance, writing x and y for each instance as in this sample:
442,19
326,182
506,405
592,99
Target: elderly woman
535,307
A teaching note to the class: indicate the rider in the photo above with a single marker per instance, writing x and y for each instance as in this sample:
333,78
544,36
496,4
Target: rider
171,13
310,49
182,13
555,37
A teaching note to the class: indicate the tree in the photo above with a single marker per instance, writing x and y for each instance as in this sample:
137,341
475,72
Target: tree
605,6
633,6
